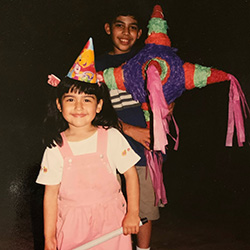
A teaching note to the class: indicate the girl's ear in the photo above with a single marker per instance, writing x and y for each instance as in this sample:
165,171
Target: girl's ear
107,28
99,106
58,105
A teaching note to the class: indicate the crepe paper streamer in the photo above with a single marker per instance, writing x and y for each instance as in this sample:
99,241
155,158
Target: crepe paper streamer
106,237
160,111
237,101
159,108
155,160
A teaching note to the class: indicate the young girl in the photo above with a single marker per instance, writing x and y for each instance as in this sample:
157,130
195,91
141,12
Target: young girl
82,199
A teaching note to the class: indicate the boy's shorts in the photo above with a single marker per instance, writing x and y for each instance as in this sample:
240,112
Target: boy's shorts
147,195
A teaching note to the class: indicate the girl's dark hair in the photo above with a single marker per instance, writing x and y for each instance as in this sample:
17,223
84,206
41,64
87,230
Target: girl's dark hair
54,123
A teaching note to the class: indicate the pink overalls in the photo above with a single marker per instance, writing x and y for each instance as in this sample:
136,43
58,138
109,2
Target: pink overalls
90,202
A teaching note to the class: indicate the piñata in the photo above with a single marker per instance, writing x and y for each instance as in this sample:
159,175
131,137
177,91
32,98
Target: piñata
156,76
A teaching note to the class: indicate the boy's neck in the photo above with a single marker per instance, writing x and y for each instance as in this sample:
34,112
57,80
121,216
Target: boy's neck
114,53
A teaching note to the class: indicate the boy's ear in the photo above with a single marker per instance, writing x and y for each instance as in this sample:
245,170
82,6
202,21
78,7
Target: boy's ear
139,33
58,105
99,106
107,28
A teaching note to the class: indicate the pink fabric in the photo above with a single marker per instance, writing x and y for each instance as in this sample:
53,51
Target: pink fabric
161,119
154,161
160,111
90,203
237,102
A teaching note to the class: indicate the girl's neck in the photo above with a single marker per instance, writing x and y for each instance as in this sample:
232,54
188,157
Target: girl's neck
79,134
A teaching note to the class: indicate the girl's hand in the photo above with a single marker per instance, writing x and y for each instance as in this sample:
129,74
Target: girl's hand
131,224
50,244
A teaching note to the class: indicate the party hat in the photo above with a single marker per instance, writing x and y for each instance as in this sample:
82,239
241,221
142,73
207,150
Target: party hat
84,67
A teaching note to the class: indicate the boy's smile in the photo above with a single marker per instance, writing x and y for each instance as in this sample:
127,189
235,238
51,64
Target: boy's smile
124,32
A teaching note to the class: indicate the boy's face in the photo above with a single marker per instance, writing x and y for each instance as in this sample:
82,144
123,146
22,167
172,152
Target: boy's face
124,32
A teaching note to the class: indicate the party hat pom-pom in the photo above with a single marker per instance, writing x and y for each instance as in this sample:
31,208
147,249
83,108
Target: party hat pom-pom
53,80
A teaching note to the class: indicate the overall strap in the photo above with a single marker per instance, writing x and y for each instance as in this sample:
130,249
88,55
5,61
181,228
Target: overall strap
102,140
65,148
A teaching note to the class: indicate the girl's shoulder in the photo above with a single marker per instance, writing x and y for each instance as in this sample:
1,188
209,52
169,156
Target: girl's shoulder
116,137
52,151
114,132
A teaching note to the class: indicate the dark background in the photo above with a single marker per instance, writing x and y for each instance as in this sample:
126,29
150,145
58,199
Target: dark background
204,179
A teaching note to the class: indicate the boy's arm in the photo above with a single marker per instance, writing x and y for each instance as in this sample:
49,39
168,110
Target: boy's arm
142,135
131,220
50,215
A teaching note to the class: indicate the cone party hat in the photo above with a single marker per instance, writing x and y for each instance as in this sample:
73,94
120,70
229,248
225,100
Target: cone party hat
84,67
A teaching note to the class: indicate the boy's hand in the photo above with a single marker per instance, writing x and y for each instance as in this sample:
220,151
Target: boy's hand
131,224
50,244
142,135
171,108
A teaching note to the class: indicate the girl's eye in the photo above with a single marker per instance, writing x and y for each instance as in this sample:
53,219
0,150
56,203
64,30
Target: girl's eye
87,100
69,100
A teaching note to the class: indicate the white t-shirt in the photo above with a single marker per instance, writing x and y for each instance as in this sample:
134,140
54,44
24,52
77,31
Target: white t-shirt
120,155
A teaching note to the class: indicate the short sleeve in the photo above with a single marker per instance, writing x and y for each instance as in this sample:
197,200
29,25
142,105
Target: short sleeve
120,154
51,167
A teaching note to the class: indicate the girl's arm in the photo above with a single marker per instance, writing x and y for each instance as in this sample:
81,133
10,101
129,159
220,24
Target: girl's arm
50,215
131,220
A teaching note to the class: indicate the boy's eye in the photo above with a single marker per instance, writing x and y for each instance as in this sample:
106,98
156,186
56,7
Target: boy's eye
133,27
118,25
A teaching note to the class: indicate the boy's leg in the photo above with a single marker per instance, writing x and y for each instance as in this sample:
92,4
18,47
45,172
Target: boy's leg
144,235
147,208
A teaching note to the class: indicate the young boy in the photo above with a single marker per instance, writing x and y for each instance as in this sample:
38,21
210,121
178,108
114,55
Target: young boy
124,30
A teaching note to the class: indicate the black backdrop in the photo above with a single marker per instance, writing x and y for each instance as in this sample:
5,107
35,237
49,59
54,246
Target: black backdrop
41,37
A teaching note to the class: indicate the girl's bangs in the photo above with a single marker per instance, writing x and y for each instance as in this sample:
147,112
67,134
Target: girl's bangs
70,85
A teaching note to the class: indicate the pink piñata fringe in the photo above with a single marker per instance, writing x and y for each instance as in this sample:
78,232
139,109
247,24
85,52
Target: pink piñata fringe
237,102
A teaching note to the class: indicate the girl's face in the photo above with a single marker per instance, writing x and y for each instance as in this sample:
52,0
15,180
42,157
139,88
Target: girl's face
79,110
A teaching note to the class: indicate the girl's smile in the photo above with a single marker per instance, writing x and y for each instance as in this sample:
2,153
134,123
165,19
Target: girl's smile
79,109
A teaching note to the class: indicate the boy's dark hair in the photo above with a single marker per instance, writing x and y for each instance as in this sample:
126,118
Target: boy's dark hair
54,123
125,9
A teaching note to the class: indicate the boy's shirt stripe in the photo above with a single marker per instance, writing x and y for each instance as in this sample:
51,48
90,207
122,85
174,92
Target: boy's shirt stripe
121,99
